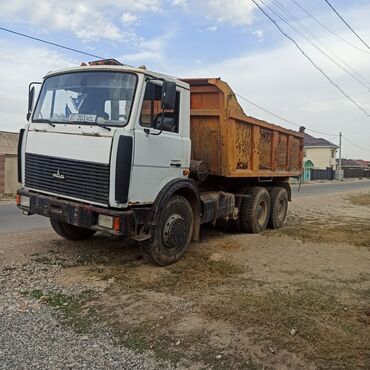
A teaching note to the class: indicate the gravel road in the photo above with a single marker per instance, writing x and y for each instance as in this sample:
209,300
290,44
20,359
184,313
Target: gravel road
31,333
31,338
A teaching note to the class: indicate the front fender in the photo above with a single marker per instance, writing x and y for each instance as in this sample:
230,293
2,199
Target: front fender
188,189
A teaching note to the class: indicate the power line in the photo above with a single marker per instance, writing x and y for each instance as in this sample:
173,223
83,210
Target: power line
311,61
356,145
327,28
282,118
325,100
318,41
50,43
344,21
350,71
96,56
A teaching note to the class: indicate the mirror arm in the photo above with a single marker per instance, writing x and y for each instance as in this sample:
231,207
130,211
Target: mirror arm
30,101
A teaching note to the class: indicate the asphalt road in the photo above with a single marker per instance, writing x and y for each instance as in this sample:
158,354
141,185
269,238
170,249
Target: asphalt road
313,190
13,220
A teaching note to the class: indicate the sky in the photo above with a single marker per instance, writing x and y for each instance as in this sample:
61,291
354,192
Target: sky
231,39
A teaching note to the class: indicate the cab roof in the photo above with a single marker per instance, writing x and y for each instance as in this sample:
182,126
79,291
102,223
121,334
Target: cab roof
119,68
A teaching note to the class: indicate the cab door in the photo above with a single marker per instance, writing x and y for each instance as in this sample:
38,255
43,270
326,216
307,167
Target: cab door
158,150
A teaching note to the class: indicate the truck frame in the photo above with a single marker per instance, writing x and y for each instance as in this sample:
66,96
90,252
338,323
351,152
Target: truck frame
135,153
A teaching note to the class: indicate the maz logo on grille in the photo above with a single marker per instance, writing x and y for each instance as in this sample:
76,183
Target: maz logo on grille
58,175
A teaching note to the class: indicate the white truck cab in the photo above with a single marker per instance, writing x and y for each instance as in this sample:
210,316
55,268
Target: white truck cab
88,118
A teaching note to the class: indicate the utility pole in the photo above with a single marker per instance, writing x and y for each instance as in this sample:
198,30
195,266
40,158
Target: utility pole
340,176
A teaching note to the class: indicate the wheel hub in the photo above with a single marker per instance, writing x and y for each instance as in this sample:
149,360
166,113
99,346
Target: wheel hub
175,232
261,212
281,209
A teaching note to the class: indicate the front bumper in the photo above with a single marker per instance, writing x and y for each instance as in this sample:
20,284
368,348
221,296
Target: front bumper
79,214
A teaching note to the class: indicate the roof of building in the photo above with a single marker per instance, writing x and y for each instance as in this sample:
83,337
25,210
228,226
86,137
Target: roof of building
363,163
310,141
349,163
8,142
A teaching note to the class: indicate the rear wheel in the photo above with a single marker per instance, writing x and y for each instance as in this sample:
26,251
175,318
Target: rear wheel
172,234
236,225
255,210
279,207
71,232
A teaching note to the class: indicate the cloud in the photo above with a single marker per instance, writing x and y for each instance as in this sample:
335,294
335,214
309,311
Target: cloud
235,12
128,18
259,34
212,28
88,20
31,65
181,3
151,53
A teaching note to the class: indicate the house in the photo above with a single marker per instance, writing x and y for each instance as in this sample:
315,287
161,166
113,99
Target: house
321,152
8,162
353,168
350,163
362,163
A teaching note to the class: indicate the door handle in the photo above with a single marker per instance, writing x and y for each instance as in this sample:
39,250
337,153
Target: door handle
175,164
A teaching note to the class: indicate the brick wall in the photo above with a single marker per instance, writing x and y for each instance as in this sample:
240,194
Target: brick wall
2,174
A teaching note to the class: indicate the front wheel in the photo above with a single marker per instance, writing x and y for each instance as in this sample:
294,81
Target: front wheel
71,232
172,234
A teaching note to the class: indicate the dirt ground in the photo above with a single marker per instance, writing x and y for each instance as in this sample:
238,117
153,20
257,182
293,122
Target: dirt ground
295,298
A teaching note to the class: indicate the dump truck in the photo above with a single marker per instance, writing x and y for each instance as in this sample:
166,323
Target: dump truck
146,156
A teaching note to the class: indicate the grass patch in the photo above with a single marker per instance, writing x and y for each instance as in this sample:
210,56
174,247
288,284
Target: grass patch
194,348
360,199
37,293
309,321
193,273
75,313
72,309
354,231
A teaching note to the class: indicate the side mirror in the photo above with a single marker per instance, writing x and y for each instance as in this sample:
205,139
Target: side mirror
31,95
168,95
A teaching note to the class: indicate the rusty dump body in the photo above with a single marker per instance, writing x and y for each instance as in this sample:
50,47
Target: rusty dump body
234,144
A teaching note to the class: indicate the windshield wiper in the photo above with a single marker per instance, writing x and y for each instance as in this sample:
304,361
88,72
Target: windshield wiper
104,126
44,120
92,124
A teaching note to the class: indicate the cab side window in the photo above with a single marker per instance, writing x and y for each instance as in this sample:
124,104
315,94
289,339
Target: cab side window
151,112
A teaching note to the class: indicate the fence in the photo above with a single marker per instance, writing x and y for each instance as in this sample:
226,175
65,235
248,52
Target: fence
348,173
356,172
8,174
328,174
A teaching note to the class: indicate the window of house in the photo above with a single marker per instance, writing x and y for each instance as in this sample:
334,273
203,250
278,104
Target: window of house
151,112
333,153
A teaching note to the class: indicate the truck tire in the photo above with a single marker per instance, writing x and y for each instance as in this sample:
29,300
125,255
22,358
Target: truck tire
71,232
255,210
236,225
279,207
172,234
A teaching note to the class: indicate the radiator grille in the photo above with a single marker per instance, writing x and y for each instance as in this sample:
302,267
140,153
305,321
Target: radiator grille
78,179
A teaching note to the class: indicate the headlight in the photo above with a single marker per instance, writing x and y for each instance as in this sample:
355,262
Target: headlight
105,221
24,201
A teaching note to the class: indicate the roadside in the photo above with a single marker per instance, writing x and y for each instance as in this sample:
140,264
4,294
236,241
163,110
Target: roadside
293,298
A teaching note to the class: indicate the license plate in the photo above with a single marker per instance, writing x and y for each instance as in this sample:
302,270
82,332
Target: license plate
82,117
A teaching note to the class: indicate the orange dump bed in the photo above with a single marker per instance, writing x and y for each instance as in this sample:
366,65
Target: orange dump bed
234,144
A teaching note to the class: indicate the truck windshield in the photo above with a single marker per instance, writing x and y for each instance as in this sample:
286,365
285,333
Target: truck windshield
102,97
